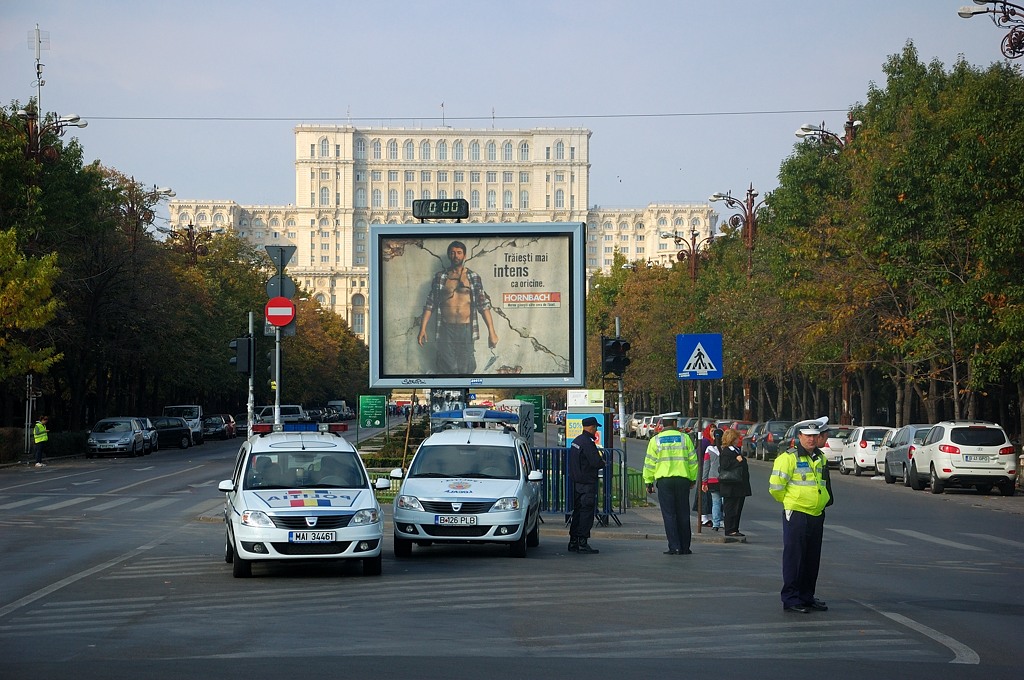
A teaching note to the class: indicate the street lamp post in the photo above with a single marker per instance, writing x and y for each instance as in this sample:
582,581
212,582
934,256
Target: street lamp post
690,249
746,221
1004,15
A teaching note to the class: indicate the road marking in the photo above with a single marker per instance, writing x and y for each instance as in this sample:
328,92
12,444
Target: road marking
997,539
939,541
91,481
111,504
962,654
26,501
860,534
153,479
64,504
155,504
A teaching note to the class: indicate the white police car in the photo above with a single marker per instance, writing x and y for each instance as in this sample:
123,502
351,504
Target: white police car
474,482
301,495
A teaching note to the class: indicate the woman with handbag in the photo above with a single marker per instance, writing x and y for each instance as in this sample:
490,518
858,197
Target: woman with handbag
733,481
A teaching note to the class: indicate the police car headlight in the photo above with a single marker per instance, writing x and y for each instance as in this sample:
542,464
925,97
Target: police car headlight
368,516
409,503
256,518
510,503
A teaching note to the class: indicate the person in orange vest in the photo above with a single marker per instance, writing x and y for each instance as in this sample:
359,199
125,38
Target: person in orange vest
40,435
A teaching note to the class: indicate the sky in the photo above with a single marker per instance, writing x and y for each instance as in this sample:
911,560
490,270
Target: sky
684,98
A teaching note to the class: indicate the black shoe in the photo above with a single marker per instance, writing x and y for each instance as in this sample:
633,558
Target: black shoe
671,552
797,609
736,533
585,549
715,528
705,524
685,551
574,546
817,605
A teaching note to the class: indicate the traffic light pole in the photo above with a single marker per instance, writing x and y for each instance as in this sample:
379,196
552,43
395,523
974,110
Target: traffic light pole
622,425
250,404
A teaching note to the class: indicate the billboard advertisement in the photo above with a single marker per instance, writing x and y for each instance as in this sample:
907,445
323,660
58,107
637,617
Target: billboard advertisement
477,305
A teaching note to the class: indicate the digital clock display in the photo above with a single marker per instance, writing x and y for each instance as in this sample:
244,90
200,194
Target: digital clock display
440,209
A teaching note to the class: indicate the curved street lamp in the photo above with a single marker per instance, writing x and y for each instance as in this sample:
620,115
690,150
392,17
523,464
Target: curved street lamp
35,131
690,250
746,221
1004,15
821,133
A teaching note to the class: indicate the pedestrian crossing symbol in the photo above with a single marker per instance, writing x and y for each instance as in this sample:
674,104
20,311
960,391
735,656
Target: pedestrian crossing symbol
699,356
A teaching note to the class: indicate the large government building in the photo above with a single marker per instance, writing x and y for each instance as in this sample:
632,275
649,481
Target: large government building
347,178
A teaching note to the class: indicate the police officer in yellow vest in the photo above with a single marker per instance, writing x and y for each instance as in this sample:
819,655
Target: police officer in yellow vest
799,481
671,463
40,435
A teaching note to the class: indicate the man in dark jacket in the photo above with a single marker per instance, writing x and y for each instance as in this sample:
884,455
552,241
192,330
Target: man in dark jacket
585,462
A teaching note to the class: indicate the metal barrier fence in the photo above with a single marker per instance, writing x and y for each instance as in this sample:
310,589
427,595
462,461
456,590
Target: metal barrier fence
556,492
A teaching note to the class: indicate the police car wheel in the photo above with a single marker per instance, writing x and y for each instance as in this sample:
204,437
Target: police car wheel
229,551
518,547
372,566
241,568
533,538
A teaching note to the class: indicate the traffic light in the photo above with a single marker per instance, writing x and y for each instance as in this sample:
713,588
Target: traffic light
242,361
272,369
613,355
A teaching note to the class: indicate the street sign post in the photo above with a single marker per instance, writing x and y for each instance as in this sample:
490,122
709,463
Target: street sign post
372,413
280,311
699,356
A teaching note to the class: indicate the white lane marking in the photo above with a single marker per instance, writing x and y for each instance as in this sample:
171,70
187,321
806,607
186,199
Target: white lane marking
940,541
997,539
961,653
155,504
48,479
26,501
859,534
91,481
111,504
64,504
153,479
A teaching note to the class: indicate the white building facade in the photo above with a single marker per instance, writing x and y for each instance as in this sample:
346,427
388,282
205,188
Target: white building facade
347,178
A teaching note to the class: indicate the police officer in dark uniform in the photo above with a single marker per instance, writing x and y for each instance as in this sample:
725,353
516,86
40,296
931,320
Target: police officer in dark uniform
585,461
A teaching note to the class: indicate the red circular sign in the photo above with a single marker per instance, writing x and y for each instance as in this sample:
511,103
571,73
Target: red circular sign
280,311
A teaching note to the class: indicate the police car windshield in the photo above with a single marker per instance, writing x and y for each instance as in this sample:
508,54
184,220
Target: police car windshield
290,470
476,462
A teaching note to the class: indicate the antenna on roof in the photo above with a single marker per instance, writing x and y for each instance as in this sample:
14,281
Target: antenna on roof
39,40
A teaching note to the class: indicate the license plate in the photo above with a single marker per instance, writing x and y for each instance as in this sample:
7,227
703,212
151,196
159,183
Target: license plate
311,536
975,459
456,520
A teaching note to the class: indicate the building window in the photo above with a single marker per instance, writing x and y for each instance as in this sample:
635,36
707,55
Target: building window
410,150
325,196
312,150
425,150
426,195
442,150
474,176
474,151
325,148
376,149
375,175
507,199
524,178
360,175
492,177
524,200
559,199
337,198
474,199
492,151
376,198
559,151
441,194
492,200
425,175
392,150
608,237
459,176
410,175
442,175
524,151
457,150
506,151
360,198
624,237
358,318
559,176
325,174
409,196
392,175
360,149
393,198
506,177
458,194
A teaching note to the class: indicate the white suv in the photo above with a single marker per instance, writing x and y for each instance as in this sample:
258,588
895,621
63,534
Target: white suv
965,453
470,485
301,496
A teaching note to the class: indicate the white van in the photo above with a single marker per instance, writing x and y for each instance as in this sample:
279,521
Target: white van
193,415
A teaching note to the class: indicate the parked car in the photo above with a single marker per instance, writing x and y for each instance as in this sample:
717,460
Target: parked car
645,424
193,415
150,435
883,447
470,485
173,431
750,439
769,438
221,426
965,453
859,451
833,448
116,435
900,452
242,424
633,422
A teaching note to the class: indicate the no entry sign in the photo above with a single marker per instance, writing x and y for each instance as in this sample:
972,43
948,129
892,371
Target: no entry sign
280,311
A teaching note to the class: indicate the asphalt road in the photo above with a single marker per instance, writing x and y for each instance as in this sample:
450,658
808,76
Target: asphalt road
112,568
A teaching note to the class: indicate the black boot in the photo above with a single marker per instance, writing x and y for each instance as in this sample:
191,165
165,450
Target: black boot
574,544
585,549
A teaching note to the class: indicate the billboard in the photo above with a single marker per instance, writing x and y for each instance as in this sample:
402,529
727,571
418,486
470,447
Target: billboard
477,305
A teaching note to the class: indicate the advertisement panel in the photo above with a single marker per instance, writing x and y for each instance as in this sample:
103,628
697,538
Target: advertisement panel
477,305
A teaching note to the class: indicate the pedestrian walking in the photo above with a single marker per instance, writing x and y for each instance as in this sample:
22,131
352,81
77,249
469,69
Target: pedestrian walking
799,481
585,461
702,501
671,465
709,480
733,481
40,437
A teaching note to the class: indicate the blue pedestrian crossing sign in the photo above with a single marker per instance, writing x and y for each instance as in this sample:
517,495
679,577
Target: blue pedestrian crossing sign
699,356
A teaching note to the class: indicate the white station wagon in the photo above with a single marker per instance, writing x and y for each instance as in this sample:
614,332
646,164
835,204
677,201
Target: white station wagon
470,485
301,496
